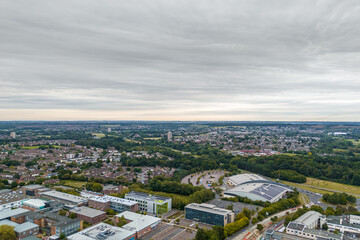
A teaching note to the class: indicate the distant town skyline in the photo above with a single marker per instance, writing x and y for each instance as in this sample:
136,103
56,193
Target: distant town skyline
274,60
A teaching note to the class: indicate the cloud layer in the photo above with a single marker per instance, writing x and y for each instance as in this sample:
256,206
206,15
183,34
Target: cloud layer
179,60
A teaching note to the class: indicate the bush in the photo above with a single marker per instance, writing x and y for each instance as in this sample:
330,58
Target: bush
339,198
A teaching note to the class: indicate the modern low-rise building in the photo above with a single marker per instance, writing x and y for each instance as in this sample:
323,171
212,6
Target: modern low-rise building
349,225
300,230
150,203
210,214
64,198
35,204
109,202
22,230
256,188
311,219
105,232
308,226
54,224
139,223
16,215
34,189
89,215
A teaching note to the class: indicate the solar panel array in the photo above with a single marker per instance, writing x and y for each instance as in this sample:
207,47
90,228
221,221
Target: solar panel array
268,191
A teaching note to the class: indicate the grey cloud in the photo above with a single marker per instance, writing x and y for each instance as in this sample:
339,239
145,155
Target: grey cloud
277,57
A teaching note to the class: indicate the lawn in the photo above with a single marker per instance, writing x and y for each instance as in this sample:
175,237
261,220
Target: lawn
75,184
100,135
130,140
333,186
306,187
30,147
356,142
36,147
152,138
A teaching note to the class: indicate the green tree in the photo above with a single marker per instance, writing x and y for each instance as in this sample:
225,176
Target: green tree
62,236
325,226
260,227
7,232
121,221
230,207
72,215
62,212
97,187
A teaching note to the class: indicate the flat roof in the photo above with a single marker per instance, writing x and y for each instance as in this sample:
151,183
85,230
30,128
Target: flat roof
245,177
102,231
59,220
296,226
209,208
64,196
138,221
25,226
264,190
33,186
107,198
6,213
308,218
8,222
322,233
35,202
109,186
86,211
147,196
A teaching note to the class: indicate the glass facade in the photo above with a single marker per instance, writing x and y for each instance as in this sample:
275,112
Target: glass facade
205,217
118,207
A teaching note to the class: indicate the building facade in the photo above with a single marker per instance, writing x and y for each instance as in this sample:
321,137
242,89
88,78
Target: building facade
89,215
210,214
109,202
150,203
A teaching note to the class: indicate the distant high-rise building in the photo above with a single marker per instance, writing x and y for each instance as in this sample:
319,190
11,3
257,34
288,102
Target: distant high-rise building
169,136
109,129
13,134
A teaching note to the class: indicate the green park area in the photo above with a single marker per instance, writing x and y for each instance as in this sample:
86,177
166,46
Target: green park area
322,187
100,135
36,147
74,184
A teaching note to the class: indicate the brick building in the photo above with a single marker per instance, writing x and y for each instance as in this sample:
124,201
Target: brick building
22,230
141,224
54,224
109,202
89,215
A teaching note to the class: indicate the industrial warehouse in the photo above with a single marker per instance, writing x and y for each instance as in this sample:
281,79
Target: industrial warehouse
255,187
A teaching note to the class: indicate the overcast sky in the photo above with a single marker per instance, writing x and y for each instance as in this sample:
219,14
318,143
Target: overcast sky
180,60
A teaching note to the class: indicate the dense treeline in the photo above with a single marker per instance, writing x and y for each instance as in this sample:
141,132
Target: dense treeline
204,157
162,185
333,168
289,175
339,198
178,201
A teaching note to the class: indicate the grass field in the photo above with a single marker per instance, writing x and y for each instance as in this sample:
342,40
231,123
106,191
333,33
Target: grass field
36,147
30,147
152,138
75,184
130,140
356,142
306,187
47,136
100,135
333,186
